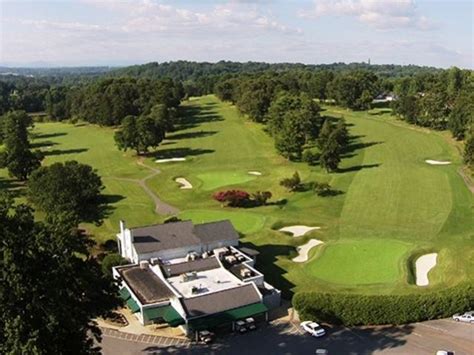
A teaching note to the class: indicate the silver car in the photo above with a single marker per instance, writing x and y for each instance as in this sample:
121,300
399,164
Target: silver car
467,317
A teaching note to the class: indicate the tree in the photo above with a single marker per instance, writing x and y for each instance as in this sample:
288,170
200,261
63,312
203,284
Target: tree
143,132
111,260
69,187
406,107
330,155
293,183
17,156
51,289
294,121
469,149
462,115
325,133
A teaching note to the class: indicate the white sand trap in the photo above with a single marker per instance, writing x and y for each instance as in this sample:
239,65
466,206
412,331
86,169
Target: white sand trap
437,162
257,173
304,250
169,160
298,231
185,184
423,265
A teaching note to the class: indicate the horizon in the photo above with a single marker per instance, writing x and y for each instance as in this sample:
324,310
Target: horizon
92,33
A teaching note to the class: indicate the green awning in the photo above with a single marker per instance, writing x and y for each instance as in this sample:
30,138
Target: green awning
232,315
133,305
168,313
124,294
247,311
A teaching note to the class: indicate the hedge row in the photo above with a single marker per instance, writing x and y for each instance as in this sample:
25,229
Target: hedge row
351,309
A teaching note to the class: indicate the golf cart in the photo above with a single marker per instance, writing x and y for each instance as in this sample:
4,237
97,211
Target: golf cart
241,326
251,323
205,336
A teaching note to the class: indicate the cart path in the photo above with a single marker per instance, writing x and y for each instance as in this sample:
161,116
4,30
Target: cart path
161,207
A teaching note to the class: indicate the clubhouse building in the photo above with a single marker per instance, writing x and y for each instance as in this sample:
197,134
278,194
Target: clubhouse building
193,276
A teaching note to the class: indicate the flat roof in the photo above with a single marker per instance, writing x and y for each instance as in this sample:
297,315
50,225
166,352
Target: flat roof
207,281
174,269
145,284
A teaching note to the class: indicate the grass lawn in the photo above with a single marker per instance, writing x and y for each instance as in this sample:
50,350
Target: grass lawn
214,179
367,262
244,222
393,204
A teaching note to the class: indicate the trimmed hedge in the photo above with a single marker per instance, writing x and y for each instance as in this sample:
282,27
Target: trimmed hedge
353,309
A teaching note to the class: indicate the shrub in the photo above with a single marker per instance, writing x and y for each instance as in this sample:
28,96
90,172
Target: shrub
353,309
322,188
260,198
233,198
293,183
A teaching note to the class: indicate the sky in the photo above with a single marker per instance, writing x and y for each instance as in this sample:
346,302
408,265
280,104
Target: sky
109,32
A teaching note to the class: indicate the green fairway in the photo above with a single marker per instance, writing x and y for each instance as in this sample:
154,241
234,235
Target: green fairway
216,179
244,222
95,146
392,203
359,262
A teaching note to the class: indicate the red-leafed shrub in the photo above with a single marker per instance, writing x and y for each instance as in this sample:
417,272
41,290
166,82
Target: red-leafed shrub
233,198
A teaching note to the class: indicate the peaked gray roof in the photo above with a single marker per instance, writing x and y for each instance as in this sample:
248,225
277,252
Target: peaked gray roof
216,231
221,301
180,234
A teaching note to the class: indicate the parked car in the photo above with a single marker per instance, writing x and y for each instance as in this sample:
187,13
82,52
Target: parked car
313,328
467,317
241,326
251,323
205,336
444,352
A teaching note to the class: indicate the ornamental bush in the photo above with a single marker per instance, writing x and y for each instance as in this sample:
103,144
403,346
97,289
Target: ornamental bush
353,309
233,198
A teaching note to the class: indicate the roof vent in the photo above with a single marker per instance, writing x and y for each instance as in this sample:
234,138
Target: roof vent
144,264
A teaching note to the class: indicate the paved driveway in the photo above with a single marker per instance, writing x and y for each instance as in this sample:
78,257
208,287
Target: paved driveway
281,337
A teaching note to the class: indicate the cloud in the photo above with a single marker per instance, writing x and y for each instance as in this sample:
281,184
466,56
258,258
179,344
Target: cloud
385,14
153,16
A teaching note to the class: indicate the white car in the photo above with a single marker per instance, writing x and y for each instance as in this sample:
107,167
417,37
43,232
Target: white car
467,317
313,328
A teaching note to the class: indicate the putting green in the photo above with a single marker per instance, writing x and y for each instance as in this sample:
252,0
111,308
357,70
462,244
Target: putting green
361,262
244,222
216,179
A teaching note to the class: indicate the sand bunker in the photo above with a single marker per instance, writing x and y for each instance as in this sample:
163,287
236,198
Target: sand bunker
257,173
185,184
169,160
437,162
304,250
423,265
298,231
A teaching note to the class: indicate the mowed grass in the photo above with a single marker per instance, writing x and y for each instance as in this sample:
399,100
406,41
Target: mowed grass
95,146
214,179
245,222
366,262
392,204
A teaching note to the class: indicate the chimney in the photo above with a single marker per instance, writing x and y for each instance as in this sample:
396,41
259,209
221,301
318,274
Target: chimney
122,227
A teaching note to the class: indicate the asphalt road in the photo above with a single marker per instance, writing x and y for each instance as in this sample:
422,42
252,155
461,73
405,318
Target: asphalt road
286,338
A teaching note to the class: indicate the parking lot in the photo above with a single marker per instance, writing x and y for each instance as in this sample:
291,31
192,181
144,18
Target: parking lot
281,337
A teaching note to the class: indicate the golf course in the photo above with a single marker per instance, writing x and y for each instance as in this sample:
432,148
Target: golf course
392,205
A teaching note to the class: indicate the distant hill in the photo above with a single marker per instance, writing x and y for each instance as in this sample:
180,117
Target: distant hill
55,72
